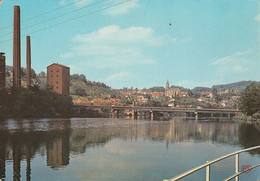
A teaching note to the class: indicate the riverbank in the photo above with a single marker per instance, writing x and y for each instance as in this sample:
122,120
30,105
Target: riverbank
246,118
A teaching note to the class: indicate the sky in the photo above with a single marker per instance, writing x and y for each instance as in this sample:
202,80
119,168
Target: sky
140,43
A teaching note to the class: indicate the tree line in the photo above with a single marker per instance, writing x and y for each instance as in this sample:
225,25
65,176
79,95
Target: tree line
34,102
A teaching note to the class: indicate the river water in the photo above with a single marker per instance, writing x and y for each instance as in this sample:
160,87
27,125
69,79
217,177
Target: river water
94,149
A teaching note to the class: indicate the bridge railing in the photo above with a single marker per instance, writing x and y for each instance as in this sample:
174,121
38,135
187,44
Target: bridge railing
209,163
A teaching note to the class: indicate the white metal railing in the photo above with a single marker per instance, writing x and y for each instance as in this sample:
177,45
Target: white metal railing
208,163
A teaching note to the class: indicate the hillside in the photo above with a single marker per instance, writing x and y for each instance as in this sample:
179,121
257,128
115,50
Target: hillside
199,89
236,85
80,86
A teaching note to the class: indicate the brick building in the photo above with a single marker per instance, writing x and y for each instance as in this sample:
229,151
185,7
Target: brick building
58,77
2,70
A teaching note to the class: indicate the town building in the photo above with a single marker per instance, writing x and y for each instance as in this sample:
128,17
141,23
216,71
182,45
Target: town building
58,77
2,70
207,94
184,94
172,92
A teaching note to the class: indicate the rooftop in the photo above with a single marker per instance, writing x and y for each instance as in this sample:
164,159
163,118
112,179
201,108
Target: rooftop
58,65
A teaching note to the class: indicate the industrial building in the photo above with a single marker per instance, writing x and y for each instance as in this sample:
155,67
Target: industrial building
58,77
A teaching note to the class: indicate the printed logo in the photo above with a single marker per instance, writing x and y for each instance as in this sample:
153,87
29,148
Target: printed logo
246,168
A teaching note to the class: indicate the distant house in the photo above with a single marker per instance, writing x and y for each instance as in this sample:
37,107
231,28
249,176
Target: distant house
184,93
170,104
82,101
58,77
202,99
226,91
157,94
207,94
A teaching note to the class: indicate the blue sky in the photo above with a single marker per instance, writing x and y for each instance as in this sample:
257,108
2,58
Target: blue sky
132,44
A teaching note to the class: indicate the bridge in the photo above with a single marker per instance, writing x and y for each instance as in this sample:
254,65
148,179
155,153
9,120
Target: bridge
116,111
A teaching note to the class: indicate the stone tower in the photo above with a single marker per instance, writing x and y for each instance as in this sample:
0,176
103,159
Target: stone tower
167,87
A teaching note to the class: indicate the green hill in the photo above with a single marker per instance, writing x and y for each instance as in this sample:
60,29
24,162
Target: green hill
236,85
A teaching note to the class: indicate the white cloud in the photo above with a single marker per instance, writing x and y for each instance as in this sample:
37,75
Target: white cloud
257,17
238,57
234,63
114,47
82,2
62,2
119,76
124,8
78,3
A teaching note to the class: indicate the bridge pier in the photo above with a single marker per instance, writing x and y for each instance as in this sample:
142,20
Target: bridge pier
115,113
185,114
79,111
228,115
135,114
151,115
196,116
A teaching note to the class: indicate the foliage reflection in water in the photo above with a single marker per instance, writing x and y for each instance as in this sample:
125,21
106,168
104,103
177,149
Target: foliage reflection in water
114,149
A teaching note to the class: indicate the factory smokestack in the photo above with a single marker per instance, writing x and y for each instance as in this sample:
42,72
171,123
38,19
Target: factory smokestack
2,71
17,49
28,61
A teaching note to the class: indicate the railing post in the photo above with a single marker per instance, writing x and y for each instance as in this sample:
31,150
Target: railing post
208,172
237,166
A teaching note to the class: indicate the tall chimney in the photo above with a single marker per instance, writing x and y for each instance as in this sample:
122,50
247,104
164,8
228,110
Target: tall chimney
2,71
17,49
28,61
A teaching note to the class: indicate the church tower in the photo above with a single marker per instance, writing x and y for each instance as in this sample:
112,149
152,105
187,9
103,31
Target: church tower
167,88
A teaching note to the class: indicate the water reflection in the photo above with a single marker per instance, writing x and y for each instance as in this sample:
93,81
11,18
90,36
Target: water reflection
58,140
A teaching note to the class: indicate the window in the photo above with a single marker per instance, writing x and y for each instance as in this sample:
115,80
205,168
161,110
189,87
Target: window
57,75
57,87
57,82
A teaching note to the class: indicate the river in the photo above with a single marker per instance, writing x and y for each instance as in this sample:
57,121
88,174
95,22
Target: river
104,149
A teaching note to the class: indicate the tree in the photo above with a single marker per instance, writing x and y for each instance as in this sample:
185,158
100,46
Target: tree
77,90
42,74
34,102
82,77
75,77
249,102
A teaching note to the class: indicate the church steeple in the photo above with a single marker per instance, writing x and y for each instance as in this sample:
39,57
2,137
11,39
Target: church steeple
167,86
